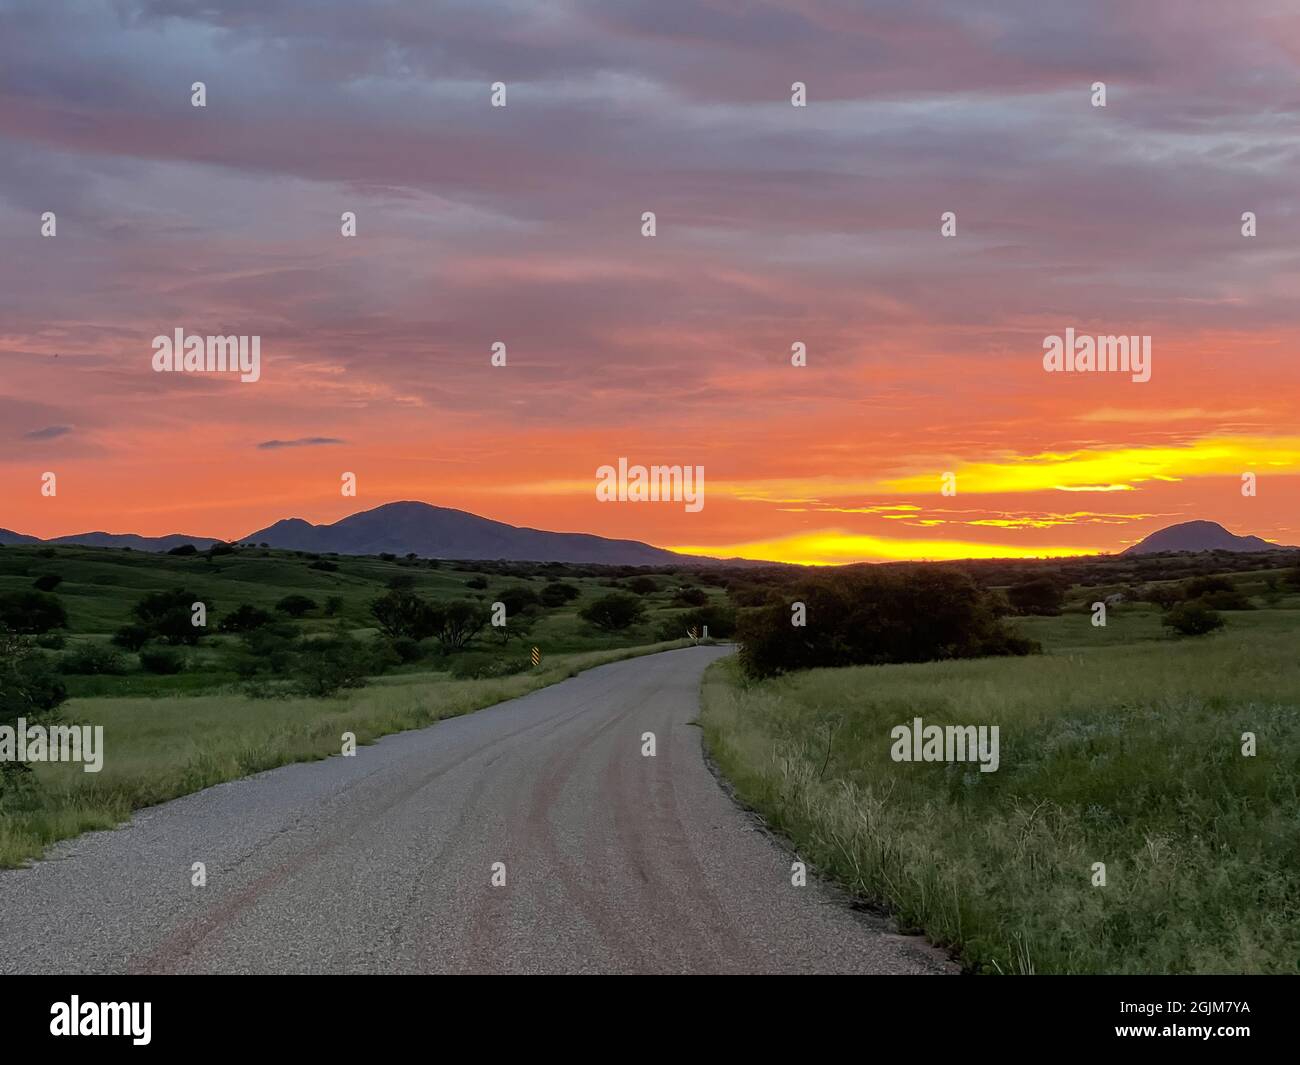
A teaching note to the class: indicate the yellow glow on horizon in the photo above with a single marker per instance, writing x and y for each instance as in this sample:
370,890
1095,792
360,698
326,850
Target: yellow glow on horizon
834,547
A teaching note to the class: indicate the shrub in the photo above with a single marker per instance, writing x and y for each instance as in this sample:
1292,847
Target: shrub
1162,595
1193,618
93,659
517,626
271,649
1218,593
295,605
753,595
643,585
719,620
690,597
557,594
167,615
329,665
52,641
131,637
614,612
31,613
47,582
162,660
324,565
485,666
28,689
1038,595
517,598
457,622
874,618
245,618
402,613
333,605
478,581
406,649
184,549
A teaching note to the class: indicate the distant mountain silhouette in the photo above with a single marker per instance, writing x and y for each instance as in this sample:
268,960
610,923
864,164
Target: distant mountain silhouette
1199,536
8,536
103,539
402,528
440,532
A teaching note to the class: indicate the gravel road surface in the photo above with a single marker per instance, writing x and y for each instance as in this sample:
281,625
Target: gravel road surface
383,863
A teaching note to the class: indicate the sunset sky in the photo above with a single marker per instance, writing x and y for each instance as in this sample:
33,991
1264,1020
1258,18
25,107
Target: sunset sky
775,224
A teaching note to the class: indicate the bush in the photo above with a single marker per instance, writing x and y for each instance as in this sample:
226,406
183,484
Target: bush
131,637
518,598
327,666
47,582
485,666
719,620
753,595
271,649
643,586
28,689
406,649
476,582
1193,618
324,565
295,605
221,549
517,626
558,594
52,641
690,597
1162,595
1218,593
184,549
402,613
31,613
245,618
457,622
614,612
93,659
1038,595
167,616
873,618
162,660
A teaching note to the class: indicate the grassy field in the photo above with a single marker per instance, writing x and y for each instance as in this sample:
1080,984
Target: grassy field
1119,745
169,735
100,586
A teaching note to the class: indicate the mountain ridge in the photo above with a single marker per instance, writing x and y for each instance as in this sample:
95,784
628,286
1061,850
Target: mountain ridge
406,526
410,526
1199,536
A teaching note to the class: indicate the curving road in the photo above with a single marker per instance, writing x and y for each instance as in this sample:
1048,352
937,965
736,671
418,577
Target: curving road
614,862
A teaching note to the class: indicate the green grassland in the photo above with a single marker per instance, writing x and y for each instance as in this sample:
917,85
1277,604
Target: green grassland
169,735
1119,745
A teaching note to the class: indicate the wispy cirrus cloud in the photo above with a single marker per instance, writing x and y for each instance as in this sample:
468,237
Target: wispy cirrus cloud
50,432
305,441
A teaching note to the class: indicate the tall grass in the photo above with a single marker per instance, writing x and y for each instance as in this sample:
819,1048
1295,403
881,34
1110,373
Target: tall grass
1125,754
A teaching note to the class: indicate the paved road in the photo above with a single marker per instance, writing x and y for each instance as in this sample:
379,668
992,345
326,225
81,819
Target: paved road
614,862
